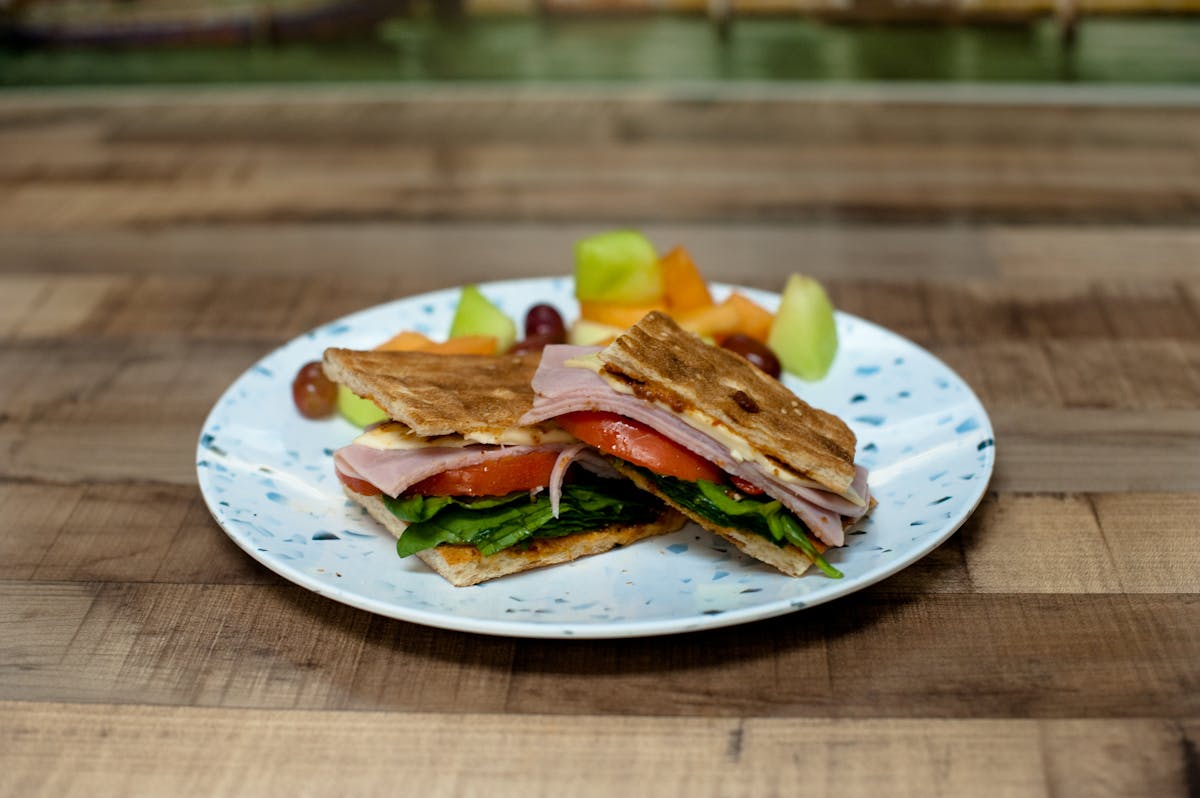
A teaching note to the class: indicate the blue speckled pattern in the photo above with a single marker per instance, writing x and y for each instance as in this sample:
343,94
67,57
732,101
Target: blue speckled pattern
268,479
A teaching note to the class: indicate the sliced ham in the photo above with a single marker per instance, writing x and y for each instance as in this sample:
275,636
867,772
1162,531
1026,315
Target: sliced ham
563,389
559,471
394,471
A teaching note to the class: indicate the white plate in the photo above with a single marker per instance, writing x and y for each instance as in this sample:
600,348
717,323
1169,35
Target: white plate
268,479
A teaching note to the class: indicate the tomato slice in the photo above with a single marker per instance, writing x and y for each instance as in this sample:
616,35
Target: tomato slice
639,444
360,486
748,488
492,478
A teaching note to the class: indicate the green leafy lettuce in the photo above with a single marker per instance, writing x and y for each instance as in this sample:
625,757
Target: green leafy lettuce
759,514
495,523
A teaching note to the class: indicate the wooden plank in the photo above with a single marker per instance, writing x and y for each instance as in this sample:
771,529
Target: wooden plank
237,645
1043,450
731,252
1032,252
872,655
762,669
119,451
1087,373
56,616
153,379
58,749
427,670
154,304
1157,374
895,305
1044,544
94,542
1147,309
379,114
20,293
1161,376
32,517
1004,374
1085,758
1143,374
1014,656
200,552
271,646
1153,538
646,158
65,305
642,181
1016,309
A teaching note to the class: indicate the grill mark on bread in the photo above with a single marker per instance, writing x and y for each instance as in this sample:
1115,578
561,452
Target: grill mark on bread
437,394
745,402
660,362
648,393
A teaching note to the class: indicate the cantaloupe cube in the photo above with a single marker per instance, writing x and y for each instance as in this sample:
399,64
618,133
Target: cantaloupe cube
616,314
684,288
409,341
753,319
716,321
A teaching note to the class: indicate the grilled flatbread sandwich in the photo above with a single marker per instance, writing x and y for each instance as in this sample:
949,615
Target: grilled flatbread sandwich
713,436
467,488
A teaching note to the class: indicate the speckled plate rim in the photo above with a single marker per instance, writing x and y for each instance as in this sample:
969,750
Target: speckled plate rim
828,591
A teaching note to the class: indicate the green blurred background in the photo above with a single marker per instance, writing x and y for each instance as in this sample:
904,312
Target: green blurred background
121,44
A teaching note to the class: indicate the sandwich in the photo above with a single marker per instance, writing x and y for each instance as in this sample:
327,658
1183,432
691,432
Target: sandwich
714,437
465,486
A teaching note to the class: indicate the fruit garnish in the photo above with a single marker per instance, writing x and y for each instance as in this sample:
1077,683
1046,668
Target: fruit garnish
409,341
358,411
804,334
685,288
313,392
618,266
754,351
476,315
590,333
616,314
544,321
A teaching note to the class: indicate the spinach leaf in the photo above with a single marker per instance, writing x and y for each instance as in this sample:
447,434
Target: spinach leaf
414,509
493,524
760,515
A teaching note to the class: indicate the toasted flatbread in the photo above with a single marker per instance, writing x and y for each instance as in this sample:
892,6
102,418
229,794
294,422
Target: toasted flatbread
660,362
464,565
437,394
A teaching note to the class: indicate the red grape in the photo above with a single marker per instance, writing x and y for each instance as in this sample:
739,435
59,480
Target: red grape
314,394
543,321
754,351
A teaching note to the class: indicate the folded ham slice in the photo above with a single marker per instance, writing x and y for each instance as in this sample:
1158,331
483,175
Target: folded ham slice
394,471
561,389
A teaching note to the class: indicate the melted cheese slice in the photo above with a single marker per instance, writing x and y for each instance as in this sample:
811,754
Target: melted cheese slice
396,436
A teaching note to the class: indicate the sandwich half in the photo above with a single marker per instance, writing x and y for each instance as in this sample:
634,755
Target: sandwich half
713,436
466,487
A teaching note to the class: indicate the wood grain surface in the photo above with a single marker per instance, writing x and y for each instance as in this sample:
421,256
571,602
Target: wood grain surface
153,246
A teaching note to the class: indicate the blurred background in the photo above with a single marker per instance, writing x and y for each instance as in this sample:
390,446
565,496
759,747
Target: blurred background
476,139
71,42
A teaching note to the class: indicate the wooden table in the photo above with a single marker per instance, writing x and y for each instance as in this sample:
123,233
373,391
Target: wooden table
154,245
